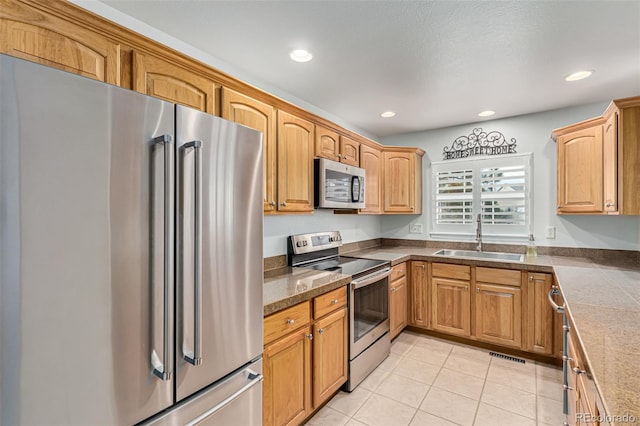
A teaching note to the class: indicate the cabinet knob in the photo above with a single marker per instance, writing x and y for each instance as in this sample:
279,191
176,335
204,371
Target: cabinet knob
609,204
566,328
310,336
283,204
401,271
272,203
334,302
422,266
567,387
466,288
567,358
290,321
320,330
578,371
393,290
530,277
477,289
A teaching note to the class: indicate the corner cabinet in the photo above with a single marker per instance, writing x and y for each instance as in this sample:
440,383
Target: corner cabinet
252,113
402,178
295,163
599,162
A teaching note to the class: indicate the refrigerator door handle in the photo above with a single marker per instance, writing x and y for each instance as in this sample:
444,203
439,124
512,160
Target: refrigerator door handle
195,357
253,377
162,368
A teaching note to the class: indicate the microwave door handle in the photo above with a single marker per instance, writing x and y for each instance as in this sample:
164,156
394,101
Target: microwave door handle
355,192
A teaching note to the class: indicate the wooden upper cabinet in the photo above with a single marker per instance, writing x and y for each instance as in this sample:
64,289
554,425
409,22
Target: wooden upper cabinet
331,145
580,165
295,163
161,79
60,44
327,144
349,151
599,162
371,162
252,113
402,180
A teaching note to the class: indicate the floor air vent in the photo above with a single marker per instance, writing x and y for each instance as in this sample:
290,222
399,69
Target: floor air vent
507,357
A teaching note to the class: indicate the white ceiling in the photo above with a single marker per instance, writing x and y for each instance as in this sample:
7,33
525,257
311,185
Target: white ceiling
436,63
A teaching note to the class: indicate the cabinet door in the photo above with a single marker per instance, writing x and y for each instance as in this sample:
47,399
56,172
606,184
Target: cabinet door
349,151
397,306
451,306
539,314
329,355
295,163
610,165
244,110
498,314
287,379
61,44
580,178
399,182
156,77
418,308
327,144
371,162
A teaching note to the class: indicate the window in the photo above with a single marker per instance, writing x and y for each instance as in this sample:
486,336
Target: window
497,188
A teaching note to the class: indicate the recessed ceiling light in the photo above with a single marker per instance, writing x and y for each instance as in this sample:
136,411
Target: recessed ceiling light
388,114
486,113
578,75
300,55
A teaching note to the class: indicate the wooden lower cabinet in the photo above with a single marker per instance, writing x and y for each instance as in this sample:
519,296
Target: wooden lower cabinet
398,300
451,306
306,366
287,379
539,314
330,354
419,294
498,317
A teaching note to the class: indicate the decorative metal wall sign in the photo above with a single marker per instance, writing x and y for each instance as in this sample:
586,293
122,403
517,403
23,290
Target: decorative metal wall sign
479,143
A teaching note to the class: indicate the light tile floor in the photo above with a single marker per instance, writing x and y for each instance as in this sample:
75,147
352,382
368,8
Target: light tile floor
428,381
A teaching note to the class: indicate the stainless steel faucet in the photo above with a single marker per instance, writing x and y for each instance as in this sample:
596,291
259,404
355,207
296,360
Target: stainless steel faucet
479,232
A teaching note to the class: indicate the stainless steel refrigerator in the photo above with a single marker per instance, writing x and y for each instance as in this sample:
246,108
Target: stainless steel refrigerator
131,257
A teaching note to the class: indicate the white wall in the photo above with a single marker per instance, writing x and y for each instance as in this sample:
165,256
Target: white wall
352,227
533,134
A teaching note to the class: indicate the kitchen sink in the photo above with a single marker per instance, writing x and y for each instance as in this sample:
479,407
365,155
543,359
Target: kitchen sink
512,257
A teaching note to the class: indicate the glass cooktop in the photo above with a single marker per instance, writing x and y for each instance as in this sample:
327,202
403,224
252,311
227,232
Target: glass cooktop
349,265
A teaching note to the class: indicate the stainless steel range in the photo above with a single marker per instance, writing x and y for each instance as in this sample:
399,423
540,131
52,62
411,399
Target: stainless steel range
369,342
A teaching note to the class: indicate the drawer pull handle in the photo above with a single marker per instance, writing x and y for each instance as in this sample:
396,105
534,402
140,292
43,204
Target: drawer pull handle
334,302
290,321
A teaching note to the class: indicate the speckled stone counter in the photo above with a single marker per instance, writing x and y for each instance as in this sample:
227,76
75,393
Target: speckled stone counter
289,286
603,304
601,297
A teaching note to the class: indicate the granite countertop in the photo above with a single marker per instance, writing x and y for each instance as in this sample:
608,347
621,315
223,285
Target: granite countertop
289,286
602,299
603,304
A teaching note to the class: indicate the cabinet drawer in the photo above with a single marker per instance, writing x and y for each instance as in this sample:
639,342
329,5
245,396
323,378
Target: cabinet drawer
445,270
398,271
498,276
329,302
283,322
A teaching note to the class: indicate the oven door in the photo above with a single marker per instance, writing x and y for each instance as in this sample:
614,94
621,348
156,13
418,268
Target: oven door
369,310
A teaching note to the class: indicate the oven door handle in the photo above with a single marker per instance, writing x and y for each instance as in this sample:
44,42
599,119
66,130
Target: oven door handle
370,279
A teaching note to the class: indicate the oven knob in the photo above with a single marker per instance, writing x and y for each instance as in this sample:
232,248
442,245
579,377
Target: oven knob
299,244
331,239
305,243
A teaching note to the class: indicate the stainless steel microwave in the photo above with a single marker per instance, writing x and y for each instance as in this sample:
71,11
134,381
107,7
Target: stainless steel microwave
337,185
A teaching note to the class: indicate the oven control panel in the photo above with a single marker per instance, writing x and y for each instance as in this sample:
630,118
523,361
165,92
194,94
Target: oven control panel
307,243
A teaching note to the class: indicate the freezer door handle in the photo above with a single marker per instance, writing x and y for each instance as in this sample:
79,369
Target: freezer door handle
253,377
162,368
195,357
